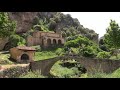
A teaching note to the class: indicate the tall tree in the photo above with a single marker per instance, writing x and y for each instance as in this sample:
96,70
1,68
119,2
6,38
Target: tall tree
7,27
112,36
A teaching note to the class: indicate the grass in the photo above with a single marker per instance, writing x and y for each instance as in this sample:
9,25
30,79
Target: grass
44,55
58,70
32,75
4,59
63,72
115,74
47,54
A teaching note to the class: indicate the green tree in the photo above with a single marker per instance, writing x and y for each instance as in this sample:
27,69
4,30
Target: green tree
16,40
112,37
7,27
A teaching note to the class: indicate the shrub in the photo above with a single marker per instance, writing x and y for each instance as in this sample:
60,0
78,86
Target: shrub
16,40
103,55
89,51
78,41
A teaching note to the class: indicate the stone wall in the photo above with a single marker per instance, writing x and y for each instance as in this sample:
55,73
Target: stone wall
41,38
14,72
16,54
92,65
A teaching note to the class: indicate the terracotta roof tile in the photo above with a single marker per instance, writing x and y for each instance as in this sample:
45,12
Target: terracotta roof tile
26,48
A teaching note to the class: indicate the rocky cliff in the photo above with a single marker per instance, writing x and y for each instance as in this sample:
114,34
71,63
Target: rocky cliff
23,19
55,21
3,42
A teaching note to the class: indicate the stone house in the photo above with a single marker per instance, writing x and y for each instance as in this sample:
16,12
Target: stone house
22,54
45,39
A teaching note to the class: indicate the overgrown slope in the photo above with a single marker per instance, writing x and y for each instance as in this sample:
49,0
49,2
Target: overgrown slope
52,21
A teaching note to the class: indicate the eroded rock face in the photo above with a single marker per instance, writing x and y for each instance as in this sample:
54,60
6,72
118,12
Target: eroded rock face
3,41
24,20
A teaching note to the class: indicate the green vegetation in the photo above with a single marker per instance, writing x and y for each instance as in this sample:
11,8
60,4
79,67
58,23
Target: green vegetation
113,35
58,22
41,26
32,75
65,72
7,27
4,59
79,40
38,48
44,55
89,51
86,47
103,55
115,74
16,40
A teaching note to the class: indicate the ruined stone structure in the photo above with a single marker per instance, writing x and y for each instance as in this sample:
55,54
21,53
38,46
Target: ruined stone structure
90,64
45,39
22,54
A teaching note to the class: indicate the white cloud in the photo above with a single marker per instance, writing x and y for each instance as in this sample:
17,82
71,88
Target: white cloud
98,21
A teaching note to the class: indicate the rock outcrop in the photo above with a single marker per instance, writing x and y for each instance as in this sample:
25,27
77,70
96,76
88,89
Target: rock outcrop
3,41
23,19
55,21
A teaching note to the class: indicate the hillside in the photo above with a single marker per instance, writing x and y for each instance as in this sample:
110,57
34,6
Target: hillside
53,21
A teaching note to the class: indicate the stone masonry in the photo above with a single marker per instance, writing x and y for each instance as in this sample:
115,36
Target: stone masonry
92,65
45,39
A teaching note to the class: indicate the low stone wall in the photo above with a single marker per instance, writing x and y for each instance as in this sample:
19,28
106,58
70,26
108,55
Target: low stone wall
14,72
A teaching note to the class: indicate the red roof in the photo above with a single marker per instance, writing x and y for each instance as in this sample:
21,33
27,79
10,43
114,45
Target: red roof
26,48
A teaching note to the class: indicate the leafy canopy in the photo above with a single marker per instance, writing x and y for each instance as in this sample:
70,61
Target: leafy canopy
112,37
7,27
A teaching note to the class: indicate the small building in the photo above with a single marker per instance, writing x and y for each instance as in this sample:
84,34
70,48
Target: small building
22,54
45,39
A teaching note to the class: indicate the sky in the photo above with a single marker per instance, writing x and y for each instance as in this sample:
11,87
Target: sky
98,21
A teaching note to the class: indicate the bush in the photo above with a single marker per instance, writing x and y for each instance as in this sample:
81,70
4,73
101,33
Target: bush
78,41
16,40
89,51
71,43
103,55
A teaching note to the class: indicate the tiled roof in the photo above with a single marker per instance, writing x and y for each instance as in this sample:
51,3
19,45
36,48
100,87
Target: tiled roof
26,48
